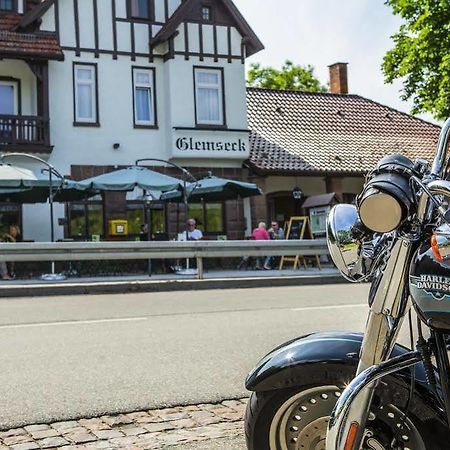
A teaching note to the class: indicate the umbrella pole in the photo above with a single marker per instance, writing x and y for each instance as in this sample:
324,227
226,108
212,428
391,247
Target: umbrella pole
52,228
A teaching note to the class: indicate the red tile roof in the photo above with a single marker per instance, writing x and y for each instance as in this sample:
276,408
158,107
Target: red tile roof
298,132
39,45
9,21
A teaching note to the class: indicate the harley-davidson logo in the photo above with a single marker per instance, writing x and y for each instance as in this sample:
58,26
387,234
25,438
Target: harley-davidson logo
435,285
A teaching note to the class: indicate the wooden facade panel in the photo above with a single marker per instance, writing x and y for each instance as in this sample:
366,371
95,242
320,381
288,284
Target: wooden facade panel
48,21
86,23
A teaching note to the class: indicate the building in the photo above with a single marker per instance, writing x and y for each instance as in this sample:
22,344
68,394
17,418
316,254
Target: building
321,143
95,85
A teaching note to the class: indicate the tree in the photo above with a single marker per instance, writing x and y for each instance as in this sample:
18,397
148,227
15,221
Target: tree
290,77
421,56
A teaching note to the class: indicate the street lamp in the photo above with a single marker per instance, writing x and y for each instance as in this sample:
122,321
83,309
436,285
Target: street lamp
51,171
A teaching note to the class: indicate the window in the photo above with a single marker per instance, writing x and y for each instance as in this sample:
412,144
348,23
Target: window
135,217
209,102
85,83
85,219
206,13
7,5
140,9
209,217
144,97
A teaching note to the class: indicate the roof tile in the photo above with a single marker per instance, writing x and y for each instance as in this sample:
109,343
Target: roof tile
293,131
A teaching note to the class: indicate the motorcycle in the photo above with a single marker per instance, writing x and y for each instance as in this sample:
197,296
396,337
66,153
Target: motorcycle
352,391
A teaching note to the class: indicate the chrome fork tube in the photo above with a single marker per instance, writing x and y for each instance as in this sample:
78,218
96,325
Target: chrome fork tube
390,304
364,382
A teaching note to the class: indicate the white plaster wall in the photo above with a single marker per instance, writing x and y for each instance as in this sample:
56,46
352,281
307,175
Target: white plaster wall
19,69
180,77
352,185
309,185
86,22
94,145
66,23
48,21
173,5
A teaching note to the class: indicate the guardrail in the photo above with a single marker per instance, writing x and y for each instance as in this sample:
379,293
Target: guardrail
81,251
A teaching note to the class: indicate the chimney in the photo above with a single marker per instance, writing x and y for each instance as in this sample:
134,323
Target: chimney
338,78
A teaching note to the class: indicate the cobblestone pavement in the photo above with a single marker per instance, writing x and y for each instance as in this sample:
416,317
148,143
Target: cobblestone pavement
153,429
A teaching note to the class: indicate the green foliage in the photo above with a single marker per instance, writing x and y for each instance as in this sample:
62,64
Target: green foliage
290,77
421,56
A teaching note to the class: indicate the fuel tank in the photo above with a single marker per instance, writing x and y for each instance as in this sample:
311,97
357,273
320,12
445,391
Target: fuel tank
429,280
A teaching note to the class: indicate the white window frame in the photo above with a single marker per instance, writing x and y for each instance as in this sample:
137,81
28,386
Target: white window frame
150,86
219,86
93,83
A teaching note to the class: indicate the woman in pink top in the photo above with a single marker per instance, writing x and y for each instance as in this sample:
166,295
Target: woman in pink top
260,234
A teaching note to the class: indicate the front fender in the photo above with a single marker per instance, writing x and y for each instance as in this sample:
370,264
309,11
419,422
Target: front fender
282,368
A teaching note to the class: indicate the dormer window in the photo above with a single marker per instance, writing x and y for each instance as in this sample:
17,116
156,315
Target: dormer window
8,5
206,13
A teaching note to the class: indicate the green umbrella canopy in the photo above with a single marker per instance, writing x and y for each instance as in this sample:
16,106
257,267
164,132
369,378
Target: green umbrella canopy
21,185
214,189
131,177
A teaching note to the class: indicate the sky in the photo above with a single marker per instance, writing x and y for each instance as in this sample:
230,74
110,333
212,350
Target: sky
322,32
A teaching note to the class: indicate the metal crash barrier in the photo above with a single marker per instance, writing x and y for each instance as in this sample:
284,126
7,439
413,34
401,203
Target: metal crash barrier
83,251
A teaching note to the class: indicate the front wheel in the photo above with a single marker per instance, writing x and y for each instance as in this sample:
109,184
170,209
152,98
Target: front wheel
297,419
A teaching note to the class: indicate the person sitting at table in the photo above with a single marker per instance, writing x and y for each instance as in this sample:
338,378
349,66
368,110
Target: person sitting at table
260,234
275,233
192,232
12,236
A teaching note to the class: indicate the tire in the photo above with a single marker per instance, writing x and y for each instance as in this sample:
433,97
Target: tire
297,418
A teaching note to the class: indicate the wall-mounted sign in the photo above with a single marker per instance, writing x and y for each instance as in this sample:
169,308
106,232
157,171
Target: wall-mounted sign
210,144
191,144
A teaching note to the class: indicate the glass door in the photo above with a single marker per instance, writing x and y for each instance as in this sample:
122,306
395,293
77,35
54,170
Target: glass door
8,107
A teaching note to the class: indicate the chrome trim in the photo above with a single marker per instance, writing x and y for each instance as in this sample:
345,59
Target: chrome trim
364,382
440,159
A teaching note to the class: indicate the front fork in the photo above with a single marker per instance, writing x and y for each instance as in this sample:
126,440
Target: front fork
388,308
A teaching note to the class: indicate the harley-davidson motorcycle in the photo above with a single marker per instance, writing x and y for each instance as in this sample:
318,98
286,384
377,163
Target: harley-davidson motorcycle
351,391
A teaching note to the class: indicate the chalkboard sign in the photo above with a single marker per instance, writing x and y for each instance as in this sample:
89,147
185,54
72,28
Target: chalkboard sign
298,228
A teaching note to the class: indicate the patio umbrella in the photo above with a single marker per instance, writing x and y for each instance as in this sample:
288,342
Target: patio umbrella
214,189
130,178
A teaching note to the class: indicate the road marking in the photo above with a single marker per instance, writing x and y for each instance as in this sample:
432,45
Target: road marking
307,308
74,322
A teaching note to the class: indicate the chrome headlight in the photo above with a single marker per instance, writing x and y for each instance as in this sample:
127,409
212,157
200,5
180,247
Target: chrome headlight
387,199
344,247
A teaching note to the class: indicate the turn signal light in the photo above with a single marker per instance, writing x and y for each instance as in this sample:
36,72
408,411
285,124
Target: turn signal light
435,249
351,436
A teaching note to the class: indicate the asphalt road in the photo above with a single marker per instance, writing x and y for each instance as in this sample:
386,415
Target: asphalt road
83,356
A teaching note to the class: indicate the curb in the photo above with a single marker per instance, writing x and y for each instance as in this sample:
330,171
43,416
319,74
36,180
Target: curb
124,287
